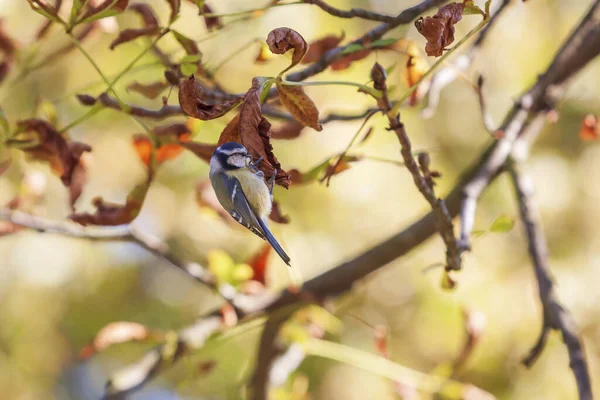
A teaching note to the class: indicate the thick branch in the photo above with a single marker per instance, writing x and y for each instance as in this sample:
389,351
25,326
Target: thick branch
581,47
555,316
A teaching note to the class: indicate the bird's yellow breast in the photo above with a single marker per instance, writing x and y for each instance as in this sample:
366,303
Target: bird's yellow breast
256,192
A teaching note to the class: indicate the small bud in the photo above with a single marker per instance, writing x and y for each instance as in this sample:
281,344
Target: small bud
379,76
86,99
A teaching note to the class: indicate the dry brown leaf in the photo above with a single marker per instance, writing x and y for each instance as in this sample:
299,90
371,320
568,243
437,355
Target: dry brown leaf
289,130
439,28
253,131
148,90
276,214
130,34
190,99
110,214
50,146
258,263
175,6
190,47
146,12
150,26
317,48
590,128
93,10
281,40
7,44
203,151
115,333
299,105
210,22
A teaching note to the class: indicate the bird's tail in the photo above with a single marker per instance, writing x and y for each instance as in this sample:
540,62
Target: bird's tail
273,242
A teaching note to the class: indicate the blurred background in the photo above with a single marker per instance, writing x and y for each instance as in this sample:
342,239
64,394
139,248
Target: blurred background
57,292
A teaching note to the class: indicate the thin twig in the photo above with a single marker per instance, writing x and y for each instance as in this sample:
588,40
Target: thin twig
554,314
126,232
332,55
353,13
425,186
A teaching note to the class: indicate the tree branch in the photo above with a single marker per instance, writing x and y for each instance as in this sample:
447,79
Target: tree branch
555,316
109,233
425,185
581,46
353,13
332,55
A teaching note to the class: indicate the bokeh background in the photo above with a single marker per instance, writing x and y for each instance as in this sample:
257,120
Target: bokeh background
56,293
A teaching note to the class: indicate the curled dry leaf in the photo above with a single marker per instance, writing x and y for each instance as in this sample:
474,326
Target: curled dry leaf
190,99
150,27
148,90
110,214
319,47
46,144
590,128
210,22
281,40
115,333
299,105
289,130
252,130
439,28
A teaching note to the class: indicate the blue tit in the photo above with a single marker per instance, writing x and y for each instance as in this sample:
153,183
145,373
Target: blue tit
243,192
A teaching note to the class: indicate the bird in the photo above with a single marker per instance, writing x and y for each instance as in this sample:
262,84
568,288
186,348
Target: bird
242,191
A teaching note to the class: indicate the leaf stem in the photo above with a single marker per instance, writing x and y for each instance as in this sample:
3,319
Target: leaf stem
411,89
373,92
110,84
384,367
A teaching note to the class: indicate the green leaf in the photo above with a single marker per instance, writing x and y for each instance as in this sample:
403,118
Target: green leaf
502,224
242,273
351,48
471,8
188,68
487,7
4,125
264,89
390,69
191,58
382,43
46,10
77,6
381,366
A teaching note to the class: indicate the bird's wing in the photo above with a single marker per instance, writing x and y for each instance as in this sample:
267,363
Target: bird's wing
232,198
